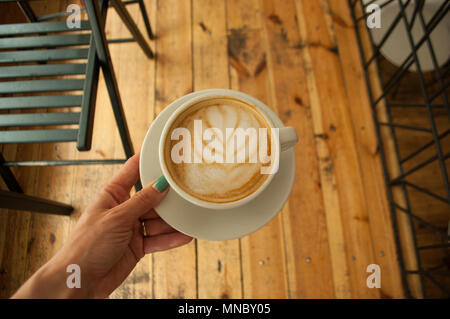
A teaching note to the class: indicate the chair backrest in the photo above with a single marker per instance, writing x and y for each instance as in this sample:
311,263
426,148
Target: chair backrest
47,65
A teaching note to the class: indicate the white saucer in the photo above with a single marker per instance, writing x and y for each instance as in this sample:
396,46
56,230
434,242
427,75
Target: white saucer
209,224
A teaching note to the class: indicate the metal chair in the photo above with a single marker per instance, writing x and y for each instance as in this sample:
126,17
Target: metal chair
31,42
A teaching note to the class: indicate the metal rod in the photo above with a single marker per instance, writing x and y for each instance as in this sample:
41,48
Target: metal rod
97,19
26,9
121,40
365,15
386,35
428,102
128,21
57,15
433,97
432,24
430,271
146,19
435,65
423,222
407,127
442,246
426,191
423,147
384,164
8,176
437,283
399,178
415,105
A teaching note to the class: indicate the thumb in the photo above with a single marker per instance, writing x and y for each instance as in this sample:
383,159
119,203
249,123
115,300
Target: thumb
147,198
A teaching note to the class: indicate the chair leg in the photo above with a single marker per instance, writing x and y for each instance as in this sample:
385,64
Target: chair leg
26,9
8,177
12,200
128,20
116,102
97,25
146,20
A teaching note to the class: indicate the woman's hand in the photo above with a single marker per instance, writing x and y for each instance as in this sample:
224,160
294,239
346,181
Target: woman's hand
108,240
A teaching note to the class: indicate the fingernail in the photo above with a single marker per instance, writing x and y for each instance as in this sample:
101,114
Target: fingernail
161,184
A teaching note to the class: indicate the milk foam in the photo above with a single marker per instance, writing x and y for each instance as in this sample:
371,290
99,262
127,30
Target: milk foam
218,182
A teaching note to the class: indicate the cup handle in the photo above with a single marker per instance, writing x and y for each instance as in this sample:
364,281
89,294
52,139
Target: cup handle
288,137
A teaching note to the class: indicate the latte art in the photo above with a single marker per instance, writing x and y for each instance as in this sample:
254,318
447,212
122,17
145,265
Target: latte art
211,150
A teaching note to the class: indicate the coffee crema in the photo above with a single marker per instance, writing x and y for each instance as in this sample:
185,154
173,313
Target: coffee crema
218,182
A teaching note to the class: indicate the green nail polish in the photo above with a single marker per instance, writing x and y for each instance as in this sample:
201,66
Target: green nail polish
161,184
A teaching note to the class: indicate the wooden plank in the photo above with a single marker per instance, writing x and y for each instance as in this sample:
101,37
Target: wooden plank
16,241
175,270
331,107
263,255
313,256
11,13
369,156
3,245
405,232
219,266
138,103
296,64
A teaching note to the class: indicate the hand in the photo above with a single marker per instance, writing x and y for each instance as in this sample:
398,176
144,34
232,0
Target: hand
108,240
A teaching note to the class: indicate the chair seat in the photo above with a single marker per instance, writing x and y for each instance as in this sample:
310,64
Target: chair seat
36,61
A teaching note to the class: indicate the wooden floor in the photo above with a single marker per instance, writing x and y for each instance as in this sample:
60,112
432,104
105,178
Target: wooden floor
300,57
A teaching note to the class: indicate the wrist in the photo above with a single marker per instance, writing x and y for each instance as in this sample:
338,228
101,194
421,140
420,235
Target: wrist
54,281
65,281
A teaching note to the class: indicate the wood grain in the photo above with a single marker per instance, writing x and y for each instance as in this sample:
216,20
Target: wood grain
393,171
304,220
263,252
219,263
300,58
175,270
343,159
367,147
138,103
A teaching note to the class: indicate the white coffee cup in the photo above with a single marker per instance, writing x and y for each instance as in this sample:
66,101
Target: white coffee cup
287,138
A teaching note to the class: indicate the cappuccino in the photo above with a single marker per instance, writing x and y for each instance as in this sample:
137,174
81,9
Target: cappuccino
213,150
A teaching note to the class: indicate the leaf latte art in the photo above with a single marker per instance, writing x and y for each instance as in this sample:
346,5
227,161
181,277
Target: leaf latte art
217,150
